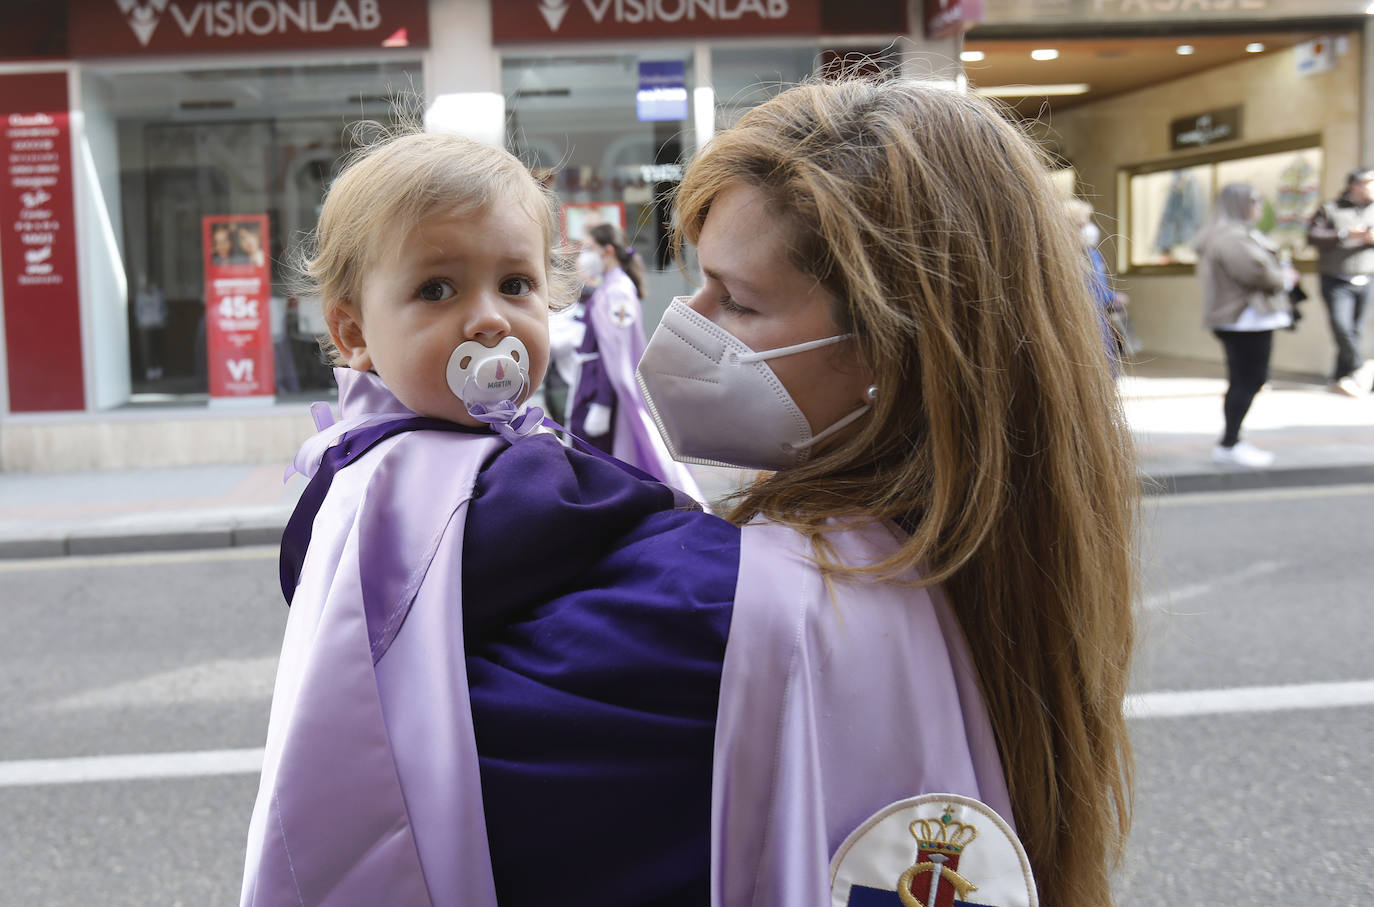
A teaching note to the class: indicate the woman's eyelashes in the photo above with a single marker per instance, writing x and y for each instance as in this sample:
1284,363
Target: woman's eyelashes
727,303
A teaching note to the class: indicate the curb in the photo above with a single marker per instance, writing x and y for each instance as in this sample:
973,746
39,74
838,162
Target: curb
233,534
76,545
1254,479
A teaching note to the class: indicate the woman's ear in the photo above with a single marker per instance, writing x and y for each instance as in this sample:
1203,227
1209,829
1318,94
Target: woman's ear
345,325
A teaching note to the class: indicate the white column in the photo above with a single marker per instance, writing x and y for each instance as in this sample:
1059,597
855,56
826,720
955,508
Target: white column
463,72
1367,93
703,96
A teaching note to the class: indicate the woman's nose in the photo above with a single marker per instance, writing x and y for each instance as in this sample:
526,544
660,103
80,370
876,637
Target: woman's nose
703,303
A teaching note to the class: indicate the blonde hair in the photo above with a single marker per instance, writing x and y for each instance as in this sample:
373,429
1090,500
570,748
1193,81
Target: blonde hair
997,438
392,183
1078,211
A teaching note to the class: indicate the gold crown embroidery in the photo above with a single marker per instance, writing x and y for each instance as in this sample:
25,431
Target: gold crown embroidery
939,844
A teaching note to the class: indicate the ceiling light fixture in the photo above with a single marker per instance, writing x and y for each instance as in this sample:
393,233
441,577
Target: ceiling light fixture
972,56
1185,50
1045,53
1254,47
1032,91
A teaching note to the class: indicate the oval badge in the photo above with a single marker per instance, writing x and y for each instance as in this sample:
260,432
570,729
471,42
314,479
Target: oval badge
936,850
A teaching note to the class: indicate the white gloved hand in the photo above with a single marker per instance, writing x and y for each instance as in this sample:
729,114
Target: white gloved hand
598,420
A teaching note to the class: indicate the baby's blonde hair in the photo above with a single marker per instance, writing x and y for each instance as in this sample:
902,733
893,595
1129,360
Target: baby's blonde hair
390,185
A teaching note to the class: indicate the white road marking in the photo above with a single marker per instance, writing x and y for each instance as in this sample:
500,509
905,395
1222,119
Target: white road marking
224,680
1166,600
1177,704
30,772
76,561
1236,700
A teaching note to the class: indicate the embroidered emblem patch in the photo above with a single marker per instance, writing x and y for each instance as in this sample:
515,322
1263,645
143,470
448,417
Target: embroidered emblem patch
622,315
936,850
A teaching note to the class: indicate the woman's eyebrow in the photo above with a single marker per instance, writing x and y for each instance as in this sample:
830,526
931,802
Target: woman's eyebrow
730,279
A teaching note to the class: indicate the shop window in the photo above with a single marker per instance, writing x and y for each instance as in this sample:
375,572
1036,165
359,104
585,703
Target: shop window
578,120
254,142
1168,204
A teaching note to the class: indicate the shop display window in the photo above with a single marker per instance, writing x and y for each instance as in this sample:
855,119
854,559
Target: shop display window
246,142
579,121
1170,204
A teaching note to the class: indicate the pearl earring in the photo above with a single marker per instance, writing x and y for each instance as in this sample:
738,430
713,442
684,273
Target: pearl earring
873,393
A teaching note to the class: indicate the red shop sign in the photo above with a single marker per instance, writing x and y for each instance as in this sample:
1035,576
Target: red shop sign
238,288
97,28
599,20
38,247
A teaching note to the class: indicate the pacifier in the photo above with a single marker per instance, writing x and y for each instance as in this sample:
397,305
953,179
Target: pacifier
489,374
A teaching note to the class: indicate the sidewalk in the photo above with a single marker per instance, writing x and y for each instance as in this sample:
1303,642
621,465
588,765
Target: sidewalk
1173,406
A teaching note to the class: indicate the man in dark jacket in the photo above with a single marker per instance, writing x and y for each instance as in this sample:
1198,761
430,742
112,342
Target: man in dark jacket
1342,231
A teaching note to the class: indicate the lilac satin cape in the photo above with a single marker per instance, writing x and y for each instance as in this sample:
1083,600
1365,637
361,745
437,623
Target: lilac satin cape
342,817
614,317
830,709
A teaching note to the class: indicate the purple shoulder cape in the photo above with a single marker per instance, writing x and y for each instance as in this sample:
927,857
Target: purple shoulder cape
431,602
836,700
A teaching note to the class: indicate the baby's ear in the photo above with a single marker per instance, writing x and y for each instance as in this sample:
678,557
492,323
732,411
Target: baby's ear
346,330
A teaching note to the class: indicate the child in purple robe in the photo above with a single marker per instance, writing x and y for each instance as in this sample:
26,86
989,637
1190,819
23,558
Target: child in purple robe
502,657
597,348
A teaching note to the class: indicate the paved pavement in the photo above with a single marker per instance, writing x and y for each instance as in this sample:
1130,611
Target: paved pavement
1173,406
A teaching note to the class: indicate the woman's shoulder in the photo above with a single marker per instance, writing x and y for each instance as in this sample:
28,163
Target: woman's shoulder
860,542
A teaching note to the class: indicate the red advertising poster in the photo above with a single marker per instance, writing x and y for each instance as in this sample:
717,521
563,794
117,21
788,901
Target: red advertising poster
38,247
238,290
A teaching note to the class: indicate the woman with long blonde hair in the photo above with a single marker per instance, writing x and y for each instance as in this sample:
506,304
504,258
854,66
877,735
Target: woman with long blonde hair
937,579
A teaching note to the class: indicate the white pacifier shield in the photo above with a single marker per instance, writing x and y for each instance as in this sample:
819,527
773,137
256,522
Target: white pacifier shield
487,375
967,846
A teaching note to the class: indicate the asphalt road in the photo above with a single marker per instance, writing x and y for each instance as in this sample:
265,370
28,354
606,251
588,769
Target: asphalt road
115,660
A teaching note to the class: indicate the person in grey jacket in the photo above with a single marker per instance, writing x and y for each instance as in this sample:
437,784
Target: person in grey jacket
1244,300
1342,231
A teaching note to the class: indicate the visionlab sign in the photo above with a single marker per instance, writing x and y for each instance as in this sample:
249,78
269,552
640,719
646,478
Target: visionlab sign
140,27
562,20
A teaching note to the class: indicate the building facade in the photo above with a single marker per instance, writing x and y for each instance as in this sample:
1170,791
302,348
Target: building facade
167,156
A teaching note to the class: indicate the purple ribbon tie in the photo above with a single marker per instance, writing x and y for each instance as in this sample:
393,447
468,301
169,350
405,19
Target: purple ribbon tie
510,422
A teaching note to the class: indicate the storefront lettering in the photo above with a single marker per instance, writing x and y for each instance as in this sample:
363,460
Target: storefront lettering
634,11
36,119
1178,6
234,18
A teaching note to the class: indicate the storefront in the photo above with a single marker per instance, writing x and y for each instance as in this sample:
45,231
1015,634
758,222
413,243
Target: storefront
167,156
1154,105
163,117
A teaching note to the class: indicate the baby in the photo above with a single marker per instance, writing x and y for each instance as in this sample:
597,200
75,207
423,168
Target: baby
456,575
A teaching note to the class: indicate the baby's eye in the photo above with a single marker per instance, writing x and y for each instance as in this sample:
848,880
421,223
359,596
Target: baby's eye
517,286
435,291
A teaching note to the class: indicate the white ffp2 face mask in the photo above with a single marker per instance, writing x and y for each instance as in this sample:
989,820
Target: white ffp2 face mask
717,402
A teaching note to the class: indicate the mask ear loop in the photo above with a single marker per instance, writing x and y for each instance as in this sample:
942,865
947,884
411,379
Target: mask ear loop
827,432
781,351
